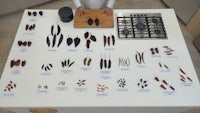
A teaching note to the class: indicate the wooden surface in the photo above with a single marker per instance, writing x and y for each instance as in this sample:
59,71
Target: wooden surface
194,25
104,20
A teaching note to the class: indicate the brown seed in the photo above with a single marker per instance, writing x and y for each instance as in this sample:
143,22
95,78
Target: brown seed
89,61
189,79
164,81
182,71
163,87
156,78
172,88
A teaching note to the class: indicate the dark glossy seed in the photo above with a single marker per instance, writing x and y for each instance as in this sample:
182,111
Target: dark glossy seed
141,80
41,13
163,87
17,63
182,71
33,26
77,41
104,40
60,40
48,68
93,38
48,41
34,13
52,28
27,26
29,13
23,63
101,63
29,43
59,29
113,40
86,35
88,44
54,40
69,41
172,88
156,78
160,64
105,63
189,79
108,41
182,80
71,64
43,66
109,64
97,22
19,43
152,49
51,65
166,66
165,82
90,21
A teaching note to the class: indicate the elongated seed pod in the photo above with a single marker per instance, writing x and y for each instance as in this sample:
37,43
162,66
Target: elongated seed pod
136,58
52,28
189,79
54,40
113,40
108,41
84,61
71,64
60,40
58,27
48,41
142,57
89,61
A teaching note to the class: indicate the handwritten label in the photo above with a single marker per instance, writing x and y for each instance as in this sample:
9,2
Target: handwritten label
88,50
169,93
86,68
80,90
165,70
51,50
102,94
122,89
186,84
125,69
67,71
109,49
46,73
61,88
23,50
72,50
144,90
105,77
8,94
105,72
16,72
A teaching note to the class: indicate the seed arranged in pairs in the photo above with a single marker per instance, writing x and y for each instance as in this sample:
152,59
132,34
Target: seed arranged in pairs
67,63
88,40
101,87
142,83
81,83
40,87
121,82
154,51
47,67
11,86
25,43
163,66
60,40
17,63
90,21
54,41
164,84
168,50
30,27
87,61
76,41
69,41
184,77
140,58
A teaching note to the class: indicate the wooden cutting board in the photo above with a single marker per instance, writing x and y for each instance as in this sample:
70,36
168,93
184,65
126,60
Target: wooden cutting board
104,20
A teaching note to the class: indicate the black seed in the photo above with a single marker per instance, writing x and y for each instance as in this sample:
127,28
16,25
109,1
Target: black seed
69,41
60,41
97,22
88,44
86,35
58,29
93,38
77,41
90,21
41,13
54,40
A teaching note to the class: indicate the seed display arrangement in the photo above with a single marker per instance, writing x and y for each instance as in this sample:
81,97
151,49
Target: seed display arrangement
47,67
183,76
168,50
34,13
40,87
139,57
101,87
88,40
163,66
11,86
24,43
76,41
30,27
107,40
17,63
142,83
87,61
104,63
154,51
163,84
67,63
121,82
62,83
81,83
90,21
125,62
52,38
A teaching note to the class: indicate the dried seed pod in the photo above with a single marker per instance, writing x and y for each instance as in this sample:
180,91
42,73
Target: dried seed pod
77,41
48,41
108,41
60,40
89,61
86,35
69,41
90,21
12,63
84,61
54,40
113,40
163,87
97,21
88,44
104,40
93,38
58,27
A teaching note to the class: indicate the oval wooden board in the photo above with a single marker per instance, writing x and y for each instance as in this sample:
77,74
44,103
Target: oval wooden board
104,20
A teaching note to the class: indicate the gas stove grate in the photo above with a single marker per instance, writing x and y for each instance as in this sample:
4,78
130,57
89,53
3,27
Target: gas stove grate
141,26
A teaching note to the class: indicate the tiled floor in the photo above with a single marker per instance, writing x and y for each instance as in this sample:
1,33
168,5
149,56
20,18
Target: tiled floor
9,25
